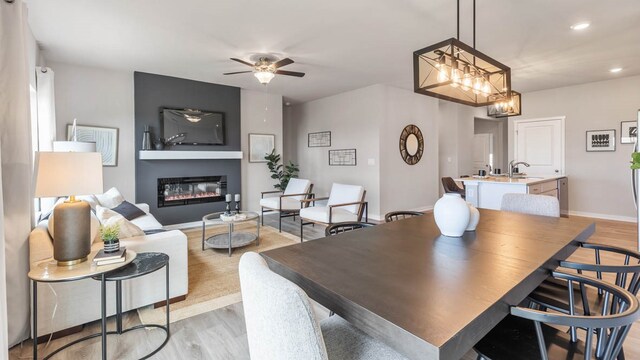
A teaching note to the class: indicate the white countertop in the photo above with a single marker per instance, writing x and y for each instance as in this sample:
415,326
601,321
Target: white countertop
513,181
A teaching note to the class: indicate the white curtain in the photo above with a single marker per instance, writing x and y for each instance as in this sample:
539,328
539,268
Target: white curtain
15,162
43,123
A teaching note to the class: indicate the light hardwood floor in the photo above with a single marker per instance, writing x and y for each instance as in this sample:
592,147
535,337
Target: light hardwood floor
221,334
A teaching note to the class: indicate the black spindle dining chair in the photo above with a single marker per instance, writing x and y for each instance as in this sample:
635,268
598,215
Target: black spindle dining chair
341,227
527,333
399,215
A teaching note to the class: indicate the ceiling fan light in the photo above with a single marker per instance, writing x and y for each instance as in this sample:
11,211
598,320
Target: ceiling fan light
264,76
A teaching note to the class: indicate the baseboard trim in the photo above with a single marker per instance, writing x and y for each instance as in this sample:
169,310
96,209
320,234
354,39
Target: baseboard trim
59,334
171,301
603,216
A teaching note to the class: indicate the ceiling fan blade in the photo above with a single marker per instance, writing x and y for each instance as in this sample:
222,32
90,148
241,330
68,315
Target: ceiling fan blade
243,62
237,72
290,73
283,62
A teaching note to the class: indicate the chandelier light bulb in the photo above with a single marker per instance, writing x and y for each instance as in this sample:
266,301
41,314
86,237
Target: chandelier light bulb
456,74
443,73
486,88
467,80
477,85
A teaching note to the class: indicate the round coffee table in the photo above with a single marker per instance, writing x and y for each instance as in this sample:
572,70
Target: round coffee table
231,239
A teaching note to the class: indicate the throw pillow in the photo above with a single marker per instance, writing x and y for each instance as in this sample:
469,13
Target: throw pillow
95,226
104,214
127,228
111,198
128,210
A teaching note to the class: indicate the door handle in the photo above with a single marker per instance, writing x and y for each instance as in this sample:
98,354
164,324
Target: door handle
557,171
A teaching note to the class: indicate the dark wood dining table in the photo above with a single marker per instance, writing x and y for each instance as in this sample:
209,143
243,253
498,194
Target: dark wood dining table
429,296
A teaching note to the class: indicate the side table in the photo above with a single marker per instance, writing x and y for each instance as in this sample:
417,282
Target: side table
49,271
145,263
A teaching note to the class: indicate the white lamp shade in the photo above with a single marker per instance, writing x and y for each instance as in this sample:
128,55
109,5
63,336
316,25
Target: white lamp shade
68,173
74,146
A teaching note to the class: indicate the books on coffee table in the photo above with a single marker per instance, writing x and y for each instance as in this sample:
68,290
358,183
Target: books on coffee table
103,258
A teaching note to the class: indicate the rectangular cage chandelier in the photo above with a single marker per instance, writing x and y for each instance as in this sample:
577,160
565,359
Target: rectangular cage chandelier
510,107
454,71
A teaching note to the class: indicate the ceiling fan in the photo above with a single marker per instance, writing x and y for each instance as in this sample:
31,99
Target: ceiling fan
266,69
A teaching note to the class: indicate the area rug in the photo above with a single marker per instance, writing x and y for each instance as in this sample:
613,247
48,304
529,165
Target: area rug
213,275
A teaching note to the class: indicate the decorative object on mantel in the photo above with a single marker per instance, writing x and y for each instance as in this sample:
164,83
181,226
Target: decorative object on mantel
146,138
109,235
261,145
106,140
342,157
411,144
266,68
69,174
281,173
227,210
628,132
319,139
601,140
454,71
512,107
474,218
452,215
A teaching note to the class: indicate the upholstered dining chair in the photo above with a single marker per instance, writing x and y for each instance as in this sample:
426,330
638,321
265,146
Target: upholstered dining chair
341,227
288,203
533,334
531,204
281,323
399,215
345,203
450,186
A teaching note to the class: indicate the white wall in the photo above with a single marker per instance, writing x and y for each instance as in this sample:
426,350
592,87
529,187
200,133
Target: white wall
354,119
99,97
253,119
371,120
403,186
599,183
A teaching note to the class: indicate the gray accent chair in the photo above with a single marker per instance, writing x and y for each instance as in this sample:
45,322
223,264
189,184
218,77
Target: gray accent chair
281,323
531,204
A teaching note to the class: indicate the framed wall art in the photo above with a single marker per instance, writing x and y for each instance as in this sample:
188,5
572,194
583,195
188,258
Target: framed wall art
342,157
628,132
106,140
319,139
260,145
601,140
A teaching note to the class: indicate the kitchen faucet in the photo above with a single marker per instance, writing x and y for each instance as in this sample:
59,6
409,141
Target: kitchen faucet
513,165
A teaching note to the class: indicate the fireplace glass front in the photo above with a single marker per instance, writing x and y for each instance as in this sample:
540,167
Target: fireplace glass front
191,190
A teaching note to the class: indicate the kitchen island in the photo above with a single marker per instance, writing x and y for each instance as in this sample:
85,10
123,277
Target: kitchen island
487,192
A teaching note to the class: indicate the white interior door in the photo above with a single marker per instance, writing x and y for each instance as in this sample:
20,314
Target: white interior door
540,142
482,152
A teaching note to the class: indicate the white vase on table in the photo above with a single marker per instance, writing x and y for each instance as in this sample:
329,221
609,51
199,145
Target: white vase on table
474,218
452,215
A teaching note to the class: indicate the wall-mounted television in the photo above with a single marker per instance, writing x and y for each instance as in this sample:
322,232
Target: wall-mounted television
193,127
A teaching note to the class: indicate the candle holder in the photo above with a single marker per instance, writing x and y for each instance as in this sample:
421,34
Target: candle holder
238,207
228,209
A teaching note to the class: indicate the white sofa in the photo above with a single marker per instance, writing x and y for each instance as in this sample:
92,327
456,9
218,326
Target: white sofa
65,305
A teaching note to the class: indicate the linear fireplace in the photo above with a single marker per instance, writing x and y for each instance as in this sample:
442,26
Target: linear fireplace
191,190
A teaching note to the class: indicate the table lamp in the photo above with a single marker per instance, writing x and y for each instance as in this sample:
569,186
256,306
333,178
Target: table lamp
69,174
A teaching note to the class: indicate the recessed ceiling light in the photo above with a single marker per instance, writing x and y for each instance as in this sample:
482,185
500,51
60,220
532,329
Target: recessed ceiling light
580,26
615,70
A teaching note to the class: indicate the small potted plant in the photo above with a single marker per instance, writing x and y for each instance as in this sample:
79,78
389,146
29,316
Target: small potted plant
109,235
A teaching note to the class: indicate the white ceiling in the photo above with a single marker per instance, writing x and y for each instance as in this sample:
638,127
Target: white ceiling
340,44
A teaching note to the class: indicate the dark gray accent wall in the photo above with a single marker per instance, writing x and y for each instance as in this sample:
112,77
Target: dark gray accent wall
154,92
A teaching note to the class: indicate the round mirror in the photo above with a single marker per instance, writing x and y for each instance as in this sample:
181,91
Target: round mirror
412,144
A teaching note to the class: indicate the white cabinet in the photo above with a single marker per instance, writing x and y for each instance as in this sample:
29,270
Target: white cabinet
549,188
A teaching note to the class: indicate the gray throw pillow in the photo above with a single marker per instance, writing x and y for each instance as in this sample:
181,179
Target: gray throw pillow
128,210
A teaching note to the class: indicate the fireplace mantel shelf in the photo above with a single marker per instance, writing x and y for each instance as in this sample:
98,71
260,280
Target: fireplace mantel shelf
188,155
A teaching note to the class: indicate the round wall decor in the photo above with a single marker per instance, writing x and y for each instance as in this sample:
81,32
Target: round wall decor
411,144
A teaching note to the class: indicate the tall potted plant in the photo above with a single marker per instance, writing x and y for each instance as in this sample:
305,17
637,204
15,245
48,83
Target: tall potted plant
279,172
